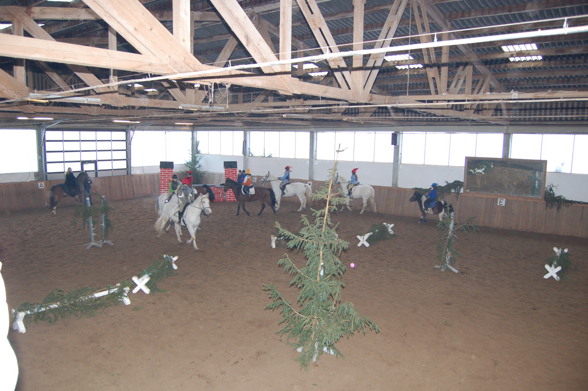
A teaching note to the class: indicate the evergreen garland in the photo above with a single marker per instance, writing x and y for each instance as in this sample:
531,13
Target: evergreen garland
379,232
561,258
320,318
61,304
555,201
446,246
98,213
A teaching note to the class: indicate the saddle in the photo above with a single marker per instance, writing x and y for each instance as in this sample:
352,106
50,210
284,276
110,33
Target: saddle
249,192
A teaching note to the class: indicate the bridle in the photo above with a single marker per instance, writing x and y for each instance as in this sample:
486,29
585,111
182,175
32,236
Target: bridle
206,210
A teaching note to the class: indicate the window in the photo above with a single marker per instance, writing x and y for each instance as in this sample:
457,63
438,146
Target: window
69,148
437,149
413,148
18,150
325,146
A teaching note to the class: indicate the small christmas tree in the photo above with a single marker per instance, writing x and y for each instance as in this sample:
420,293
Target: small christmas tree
320,318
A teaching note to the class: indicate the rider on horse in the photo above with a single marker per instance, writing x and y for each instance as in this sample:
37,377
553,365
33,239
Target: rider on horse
247,182
71,184
285,179
188,179
353,181
173,185
431,196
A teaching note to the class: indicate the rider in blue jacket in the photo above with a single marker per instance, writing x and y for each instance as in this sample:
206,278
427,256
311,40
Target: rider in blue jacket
285,179
431,196
354,180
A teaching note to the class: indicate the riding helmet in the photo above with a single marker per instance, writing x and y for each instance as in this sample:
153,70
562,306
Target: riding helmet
189,172
288,167
354,170
434,184
174,176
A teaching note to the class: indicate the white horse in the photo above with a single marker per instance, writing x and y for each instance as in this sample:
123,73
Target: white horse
183,195
298,189
9,366
192,216
365,192
169,211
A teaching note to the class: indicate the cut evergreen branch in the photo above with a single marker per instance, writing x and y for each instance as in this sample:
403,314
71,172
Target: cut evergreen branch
319,318
60,304
446,246
98,213
561,258
553,200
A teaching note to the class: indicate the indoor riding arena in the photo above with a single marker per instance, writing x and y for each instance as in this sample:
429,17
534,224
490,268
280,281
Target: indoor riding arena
414,223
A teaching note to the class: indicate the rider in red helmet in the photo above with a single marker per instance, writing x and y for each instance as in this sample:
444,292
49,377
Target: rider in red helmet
354,180
188,179
285,178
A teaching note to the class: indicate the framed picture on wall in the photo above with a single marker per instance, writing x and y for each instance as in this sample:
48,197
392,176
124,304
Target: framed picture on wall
515,177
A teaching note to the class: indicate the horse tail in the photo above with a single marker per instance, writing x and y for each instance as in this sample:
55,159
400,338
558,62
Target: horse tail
272,198
160,224
52,200
209,191
373,200
308,191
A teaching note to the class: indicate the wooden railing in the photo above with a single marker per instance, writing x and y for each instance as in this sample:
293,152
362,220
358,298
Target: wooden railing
518,213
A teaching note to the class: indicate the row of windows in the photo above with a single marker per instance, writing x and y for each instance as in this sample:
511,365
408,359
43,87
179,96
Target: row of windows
18,151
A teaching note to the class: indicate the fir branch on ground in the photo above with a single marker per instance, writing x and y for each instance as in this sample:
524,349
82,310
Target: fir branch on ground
319,318
379,232
561,258
60,304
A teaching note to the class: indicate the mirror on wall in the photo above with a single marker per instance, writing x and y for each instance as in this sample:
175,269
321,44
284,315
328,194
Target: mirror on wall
516,177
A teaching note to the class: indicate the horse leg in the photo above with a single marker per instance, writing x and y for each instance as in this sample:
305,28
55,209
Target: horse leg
262,208
178,232
245,210
192,230
302,200
364,205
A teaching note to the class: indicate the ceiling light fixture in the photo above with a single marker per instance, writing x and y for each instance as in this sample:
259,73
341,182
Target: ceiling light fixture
202,107
125,121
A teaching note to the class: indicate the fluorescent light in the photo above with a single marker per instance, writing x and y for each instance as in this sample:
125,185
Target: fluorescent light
22,118
319,73
399,57
519,48
60,1
202,107
525,58
125,121
43,118
409,66
184,123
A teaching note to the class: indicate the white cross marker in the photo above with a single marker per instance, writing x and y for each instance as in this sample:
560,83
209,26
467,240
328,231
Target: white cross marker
552,272
172,260
363,239
389,228
141,284
19,322
273,239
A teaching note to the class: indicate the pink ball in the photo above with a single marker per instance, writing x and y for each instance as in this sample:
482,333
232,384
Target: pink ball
352,265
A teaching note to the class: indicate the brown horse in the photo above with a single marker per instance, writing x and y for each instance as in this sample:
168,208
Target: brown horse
205,189
262,194
440,207
57,192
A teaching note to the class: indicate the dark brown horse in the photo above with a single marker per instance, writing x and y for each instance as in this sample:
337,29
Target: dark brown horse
205,189
57,192
440,207
262,194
